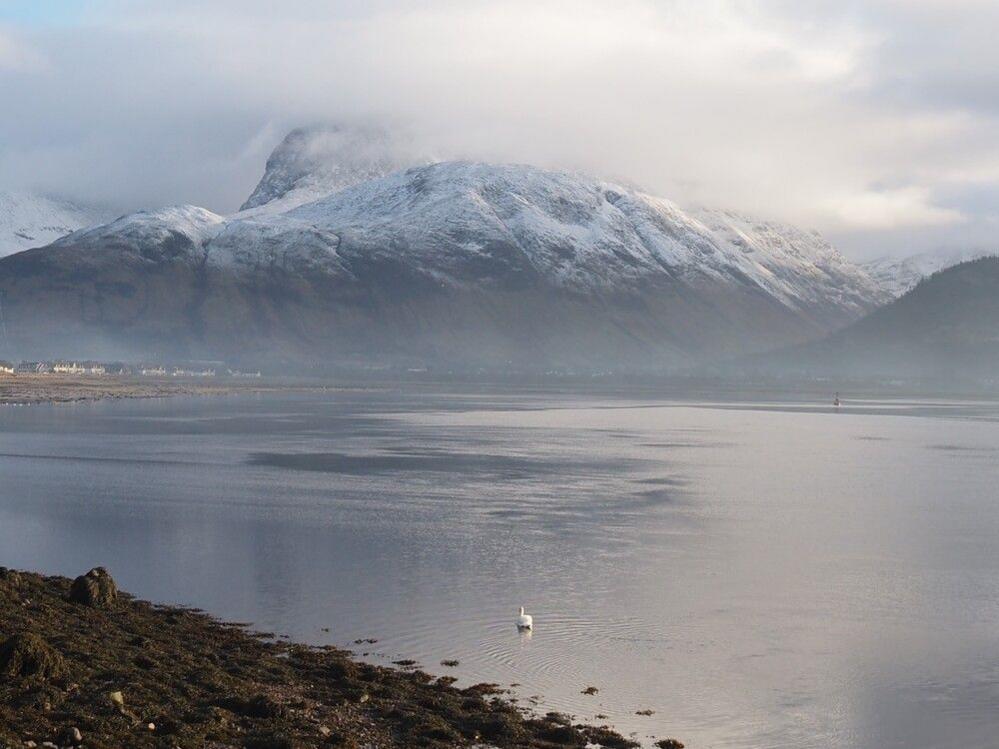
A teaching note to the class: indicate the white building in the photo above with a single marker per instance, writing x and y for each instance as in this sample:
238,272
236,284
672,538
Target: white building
78,368
61,367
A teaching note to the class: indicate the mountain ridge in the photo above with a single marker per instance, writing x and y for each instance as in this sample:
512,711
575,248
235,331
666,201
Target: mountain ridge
458,263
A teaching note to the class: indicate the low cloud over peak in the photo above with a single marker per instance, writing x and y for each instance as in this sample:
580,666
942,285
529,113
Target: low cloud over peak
874,124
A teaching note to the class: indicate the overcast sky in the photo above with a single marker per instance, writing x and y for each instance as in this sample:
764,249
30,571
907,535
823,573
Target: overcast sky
876,122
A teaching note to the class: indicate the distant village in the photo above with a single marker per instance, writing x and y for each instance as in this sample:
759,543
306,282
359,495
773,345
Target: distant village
119,369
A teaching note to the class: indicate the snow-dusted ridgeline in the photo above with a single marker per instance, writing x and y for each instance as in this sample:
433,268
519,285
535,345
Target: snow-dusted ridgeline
574,233
313,162
347,248
31,220
898,275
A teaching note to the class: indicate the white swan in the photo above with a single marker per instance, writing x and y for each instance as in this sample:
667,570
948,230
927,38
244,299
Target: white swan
525,621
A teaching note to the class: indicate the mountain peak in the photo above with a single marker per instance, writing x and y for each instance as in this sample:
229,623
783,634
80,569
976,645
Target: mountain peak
313,162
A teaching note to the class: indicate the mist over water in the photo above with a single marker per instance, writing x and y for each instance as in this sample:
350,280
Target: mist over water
758,573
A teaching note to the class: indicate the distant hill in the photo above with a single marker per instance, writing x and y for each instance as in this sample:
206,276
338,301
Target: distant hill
897,275
947,326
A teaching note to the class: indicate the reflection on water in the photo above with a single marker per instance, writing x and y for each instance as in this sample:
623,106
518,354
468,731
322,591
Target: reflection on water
757,574
397,460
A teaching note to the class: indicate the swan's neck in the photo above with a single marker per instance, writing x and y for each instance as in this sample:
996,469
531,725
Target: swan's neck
521,610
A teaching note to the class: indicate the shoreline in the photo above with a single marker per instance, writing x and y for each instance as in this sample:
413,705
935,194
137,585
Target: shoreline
84,665
26,389
32,389
36,389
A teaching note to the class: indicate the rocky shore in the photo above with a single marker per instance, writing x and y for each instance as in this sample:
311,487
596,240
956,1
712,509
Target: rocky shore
85,665
27,389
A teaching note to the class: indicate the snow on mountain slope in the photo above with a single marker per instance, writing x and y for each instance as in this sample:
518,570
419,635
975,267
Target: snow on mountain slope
313,162
465,223
172,230
455,263
795,265
898,275
30,220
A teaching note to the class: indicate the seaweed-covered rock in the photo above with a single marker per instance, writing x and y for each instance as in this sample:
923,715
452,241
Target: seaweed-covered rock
255,706
561,735
27,655
342,670
669,744
497,726
433,731
608,739
71,736
11,578
96,589
272,741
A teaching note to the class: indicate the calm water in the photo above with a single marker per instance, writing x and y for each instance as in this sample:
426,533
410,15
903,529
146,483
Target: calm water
759,575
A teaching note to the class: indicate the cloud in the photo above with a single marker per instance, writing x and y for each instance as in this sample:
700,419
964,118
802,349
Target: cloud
907,207
851,118
16,56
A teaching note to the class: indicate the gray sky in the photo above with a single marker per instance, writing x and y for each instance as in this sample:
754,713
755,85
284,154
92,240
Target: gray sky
876,122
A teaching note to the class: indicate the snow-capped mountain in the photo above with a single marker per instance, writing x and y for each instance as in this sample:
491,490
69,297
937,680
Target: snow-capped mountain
464,263
898,275
462,224
32,220
313,162
796,265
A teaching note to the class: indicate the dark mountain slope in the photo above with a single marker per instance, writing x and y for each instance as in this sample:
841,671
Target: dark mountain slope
945,327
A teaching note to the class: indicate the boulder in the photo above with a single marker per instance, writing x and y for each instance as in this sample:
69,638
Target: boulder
96,589
10,578
26,655
71,736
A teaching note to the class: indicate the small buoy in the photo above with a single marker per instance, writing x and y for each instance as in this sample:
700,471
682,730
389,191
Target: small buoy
525,621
